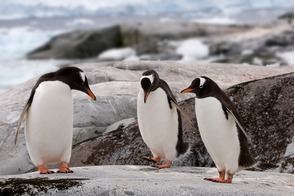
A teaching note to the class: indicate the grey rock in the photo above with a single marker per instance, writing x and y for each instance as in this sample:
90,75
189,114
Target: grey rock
144,38
143,180
79,44
266,106
115,86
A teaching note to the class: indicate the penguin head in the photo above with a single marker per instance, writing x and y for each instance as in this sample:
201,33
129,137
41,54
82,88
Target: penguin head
201,86
149,82
75,78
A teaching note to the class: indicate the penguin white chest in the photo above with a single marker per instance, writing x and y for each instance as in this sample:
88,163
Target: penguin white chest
219,134
49,123
158,124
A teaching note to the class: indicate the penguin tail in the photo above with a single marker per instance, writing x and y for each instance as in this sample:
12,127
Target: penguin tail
183,149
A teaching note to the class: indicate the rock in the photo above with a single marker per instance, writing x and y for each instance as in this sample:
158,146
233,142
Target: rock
79,44
143,180
161,57
261,45
267,109
144,38
285,39
289,16
115,86
266,106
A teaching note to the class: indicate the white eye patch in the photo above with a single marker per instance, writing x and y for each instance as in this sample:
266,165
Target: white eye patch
150,77
202,82
83,77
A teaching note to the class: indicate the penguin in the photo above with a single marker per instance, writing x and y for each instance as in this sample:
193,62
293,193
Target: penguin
48,117
159,120
221,129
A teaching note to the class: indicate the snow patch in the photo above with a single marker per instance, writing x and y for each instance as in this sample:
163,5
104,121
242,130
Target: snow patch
117,54
192,49
221,21
287,56
80,21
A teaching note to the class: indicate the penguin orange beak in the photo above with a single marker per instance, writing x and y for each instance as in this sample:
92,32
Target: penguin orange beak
187,90
90,93
146,95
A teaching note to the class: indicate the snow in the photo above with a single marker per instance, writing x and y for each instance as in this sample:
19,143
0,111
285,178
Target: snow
221,21
80,21
192,49
117,54
288,57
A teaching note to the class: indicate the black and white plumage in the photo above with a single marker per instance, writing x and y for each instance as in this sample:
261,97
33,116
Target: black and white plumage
159,119
221,128
49,117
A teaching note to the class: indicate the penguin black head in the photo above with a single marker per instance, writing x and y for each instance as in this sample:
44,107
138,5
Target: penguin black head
149,82
72,76
75,78
201,86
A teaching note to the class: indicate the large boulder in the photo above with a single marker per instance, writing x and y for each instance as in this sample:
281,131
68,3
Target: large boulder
79,44
266,106
144,38
115,86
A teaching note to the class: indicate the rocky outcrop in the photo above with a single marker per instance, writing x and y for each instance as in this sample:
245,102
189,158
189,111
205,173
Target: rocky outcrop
79,44
146,181
116,86
258,44
265,105
144,38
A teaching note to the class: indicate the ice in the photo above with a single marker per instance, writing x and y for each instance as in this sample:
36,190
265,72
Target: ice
117,54
193,49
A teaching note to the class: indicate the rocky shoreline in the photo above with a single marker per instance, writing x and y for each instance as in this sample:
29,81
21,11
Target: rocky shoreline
265,104
264,44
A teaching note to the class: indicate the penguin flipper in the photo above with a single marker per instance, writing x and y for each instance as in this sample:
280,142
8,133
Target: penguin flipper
21,118
230,112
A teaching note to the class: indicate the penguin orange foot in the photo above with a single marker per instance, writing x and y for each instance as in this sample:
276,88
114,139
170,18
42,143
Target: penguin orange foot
221,178
154,159
165,165
44,170
64,168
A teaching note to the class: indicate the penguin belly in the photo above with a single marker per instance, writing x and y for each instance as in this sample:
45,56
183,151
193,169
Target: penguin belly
219,135
158,124
49,124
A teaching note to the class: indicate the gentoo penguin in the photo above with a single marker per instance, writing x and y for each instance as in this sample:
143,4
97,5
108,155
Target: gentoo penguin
49,118
159,119
221,129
